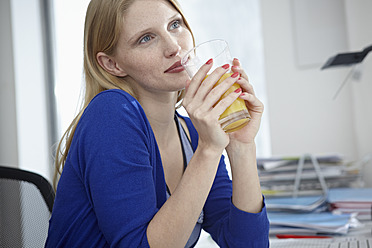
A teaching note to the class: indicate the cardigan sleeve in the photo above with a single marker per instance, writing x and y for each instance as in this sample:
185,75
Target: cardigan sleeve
117,167
229,226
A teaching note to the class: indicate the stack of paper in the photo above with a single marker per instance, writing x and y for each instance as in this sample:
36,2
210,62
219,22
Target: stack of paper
325,223
297,204
351,200
277,175
300,191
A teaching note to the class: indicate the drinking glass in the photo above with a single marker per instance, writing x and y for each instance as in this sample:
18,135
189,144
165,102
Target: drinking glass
236,115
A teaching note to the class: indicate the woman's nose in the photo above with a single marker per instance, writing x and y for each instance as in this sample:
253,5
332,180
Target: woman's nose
172,48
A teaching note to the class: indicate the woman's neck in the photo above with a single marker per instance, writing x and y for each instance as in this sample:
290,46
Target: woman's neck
160,113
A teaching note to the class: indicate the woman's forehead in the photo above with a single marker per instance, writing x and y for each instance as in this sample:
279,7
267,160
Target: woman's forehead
144,14
146,7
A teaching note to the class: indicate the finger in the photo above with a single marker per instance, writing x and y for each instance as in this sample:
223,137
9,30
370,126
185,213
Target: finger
237,67
197,79
209,82
197,91
217,92
224,103
253,103
247,87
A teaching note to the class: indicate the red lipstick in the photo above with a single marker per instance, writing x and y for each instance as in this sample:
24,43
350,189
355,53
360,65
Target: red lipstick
175,68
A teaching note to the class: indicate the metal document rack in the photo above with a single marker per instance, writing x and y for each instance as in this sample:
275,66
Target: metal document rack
318,172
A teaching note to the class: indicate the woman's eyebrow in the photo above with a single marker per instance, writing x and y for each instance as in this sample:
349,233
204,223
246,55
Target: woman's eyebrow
139,33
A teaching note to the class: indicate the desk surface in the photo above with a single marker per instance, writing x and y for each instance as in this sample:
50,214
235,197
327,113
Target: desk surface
361,233
322,243
207,242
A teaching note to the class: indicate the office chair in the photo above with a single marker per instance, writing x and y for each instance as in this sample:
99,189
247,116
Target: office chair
26,202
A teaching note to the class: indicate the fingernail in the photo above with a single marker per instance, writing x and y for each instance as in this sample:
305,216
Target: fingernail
236,59
236,74
238,90
226,66
209,62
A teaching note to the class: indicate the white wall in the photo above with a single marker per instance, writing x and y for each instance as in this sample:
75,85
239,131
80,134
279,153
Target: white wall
359,24
304,118
69,22
29,72
8,130
23,129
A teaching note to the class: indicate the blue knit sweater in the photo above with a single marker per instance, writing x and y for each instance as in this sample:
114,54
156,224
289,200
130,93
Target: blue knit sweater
113,184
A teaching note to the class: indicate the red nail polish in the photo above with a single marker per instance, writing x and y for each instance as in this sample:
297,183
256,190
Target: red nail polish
236,74
238,90
226,66
209,62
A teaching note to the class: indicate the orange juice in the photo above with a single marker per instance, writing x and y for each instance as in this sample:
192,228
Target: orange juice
236,115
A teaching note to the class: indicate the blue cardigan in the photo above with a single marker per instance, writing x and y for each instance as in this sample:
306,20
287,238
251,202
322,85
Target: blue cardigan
113,184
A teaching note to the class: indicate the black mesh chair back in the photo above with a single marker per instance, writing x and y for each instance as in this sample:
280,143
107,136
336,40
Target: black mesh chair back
26,202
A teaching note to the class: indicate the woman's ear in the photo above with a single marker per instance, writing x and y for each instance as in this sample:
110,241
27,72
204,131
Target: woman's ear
110,65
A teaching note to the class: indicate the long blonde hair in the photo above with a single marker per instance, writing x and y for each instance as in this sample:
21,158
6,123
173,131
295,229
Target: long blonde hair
103,23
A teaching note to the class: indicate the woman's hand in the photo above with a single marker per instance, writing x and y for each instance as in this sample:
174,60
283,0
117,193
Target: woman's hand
255,108
200,103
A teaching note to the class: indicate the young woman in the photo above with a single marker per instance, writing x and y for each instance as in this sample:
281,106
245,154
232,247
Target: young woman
135,172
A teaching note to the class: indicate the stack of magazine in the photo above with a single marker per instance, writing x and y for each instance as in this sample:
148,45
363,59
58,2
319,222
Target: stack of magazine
356,201
297,193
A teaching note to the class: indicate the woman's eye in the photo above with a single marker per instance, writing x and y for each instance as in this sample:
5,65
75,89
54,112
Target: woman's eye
145,39
175,24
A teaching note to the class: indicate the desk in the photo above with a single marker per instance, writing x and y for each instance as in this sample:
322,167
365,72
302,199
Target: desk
354,234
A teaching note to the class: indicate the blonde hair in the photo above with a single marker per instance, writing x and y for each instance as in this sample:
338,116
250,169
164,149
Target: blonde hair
103,22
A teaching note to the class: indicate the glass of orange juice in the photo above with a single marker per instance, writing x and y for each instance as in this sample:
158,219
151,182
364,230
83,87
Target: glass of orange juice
236,115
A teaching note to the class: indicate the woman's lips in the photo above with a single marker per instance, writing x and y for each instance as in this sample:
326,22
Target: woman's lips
175,68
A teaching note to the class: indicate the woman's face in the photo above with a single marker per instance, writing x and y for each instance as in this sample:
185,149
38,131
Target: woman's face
153,40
